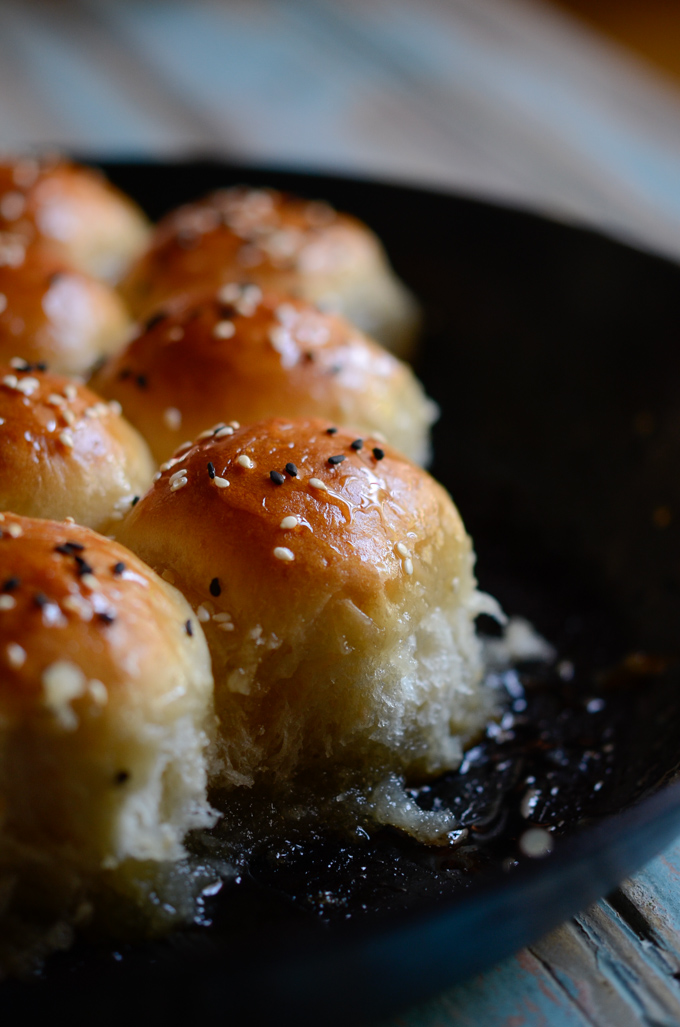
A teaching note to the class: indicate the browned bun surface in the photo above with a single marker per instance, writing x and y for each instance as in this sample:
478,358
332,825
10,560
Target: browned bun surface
105,708
64,451
53,313
283,244
335,587
234,354
100,229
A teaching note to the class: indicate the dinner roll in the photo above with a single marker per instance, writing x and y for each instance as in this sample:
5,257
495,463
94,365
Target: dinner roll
105,716
64,451
99,227
334,581
51,312
284,244
236,354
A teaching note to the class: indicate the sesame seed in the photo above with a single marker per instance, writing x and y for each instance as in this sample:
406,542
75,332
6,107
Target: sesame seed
176,333
98,692
115,407
203,613
77,604
222,433
289,522
157,476
245,461
70,392
206,434
182,473
66,438
154,320
15,530
378,453
105,617
82,566
90,582
277,477
10,380
68,416
292,470
189,628
220,482
3,302
281,553
235,425
179,484
172,418
118,568
134,501
408,565
221,618
331,431
215,587
357,444
318,484
28,386
7,602
401,549
224,330
142,381
16,656
11,584
211,470
337,459
168,576
56,401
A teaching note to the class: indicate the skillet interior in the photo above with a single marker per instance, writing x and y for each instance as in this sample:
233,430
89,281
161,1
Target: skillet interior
552,352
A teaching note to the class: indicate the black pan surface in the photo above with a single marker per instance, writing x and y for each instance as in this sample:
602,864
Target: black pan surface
553,354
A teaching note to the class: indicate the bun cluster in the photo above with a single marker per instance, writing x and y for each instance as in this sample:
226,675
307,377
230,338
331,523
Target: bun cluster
305,609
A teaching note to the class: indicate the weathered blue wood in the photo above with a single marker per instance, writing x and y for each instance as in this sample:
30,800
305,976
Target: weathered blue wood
519,992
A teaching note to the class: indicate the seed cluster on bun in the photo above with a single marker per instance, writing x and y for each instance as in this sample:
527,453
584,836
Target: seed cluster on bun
64,451
98,228
283,244
234,352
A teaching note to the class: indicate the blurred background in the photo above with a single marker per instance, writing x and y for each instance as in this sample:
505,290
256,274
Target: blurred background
568,106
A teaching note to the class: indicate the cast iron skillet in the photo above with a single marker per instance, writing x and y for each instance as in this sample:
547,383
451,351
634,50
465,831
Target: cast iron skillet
553,353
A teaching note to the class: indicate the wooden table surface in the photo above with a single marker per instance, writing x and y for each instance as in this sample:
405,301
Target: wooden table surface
509,99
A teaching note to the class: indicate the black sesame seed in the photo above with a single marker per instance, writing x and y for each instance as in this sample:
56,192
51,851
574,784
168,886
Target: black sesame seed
106,618
153,321
64,550
83,567
125,373
135,500
309,357
40,599
331,431
357,444
337,459
292,470
75,547
118,568
378,453
11,584
215,587
188,627
142,381
121,777
277,477
211,470
41,366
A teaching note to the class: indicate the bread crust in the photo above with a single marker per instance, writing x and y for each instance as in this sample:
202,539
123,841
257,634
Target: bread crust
283,244
64,451
235,354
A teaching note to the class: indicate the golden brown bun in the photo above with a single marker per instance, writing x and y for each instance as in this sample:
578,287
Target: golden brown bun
338,604
236,355
64,451
105,716
50,312
284,244
100,229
